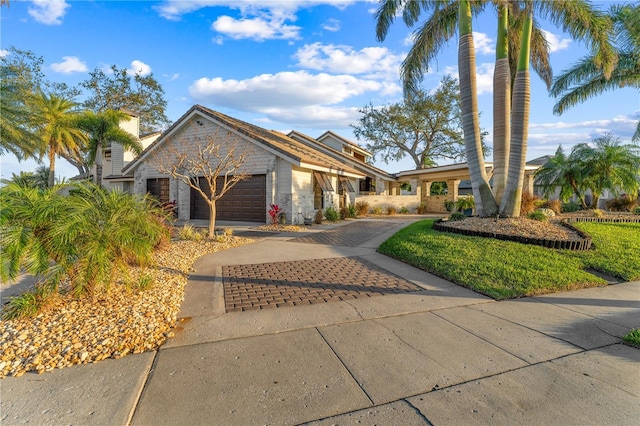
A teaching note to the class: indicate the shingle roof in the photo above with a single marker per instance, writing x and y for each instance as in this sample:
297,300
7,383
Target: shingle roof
288,147
364,167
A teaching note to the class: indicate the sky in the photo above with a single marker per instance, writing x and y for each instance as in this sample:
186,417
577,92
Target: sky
305,65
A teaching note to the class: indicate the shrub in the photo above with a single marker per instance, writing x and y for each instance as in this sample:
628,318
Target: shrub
537,215
29,303
376,210
456,216
571,207
189,233
636,210
274,213
422,208
228,232
319,217
331,214
554,205
465,203
85,237
528,203
403,210
624,203
449,205
391,210
362,208
344,212
633,338
597,212
353,211
547,212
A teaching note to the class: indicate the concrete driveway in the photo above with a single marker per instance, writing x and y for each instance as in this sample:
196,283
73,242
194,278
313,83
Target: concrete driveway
322,329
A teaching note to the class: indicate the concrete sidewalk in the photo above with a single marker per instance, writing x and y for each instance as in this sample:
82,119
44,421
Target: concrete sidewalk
441,355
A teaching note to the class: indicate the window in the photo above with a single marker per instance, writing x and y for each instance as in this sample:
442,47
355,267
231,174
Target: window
367,185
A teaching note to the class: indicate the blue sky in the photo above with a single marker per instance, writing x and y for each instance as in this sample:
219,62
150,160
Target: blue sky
306,65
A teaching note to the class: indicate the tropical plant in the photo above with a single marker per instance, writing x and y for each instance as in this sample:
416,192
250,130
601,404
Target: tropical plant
465,203
528,203
456,216
561,176
58,131
623,203
331,214
577,18
352,211
608,165
274,213
537,215
104,129
586,79
84,237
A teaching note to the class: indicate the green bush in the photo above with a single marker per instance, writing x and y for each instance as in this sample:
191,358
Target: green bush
85,237
403,210
331,214
633,338
538,215
362,208
353,211
571,207
29,303
456,216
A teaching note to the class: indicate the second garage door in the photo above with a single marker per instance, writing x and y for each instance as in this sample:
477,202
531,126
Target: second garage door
246,201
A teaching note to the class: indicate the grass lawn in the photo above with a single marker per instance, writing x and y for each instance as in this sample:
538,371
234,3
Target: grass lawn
504,269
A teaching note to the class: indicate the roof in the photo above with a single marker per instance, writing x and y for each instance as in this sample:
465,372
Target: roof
313,143
451,171
343,140
277,142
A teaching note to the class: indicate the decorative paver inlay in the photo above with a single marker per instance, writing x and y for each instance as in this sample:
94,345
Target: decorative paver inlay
271,285
351,235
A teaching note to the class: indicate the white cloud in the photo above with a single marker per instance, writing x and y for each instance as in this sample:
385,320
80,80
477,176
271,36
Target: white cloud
373,62
332,25
3,53
315,116
174,9
281,90
140,68
49,12
263,27
69,65
483,44
556,43
409,39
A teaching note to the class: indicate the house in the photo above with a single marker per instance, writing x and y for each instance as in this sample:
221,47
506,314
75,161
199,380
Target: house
281,170
115,157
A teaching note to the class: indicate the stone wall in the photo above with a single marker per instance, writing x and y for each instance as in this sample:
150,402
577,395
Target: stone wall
411,202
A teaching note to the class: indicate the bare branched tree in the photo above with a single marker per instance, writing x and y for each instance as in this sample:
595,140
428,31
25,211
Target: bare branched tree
211,166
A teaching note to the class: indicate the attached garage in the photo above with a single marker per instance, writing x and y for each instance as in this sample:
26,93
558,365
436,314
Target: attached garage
246,201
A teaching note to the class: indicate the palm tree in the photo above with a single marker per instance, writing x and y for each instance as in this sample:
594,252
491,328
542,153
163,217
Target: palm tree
104,128
586,80
58,130
610,165
577,18
16,119
562,173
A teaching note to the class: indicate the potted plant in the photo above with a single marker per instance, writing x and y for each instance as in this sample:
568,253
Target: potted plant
449,205
465,205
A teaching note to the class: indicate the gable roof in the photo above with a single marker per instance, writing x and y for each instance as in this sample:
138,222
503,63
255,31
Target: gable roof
344,141
359,165
290,149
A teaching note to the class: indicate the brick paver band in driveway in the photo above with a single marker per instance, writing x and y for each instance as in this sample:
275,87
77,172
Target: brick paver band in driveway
351,235
271,285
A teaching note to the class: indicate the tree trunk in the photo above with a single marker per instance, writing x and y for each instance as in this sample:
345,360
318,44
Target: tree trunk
52,166
501,107
98,176
212,218
484,200
512,198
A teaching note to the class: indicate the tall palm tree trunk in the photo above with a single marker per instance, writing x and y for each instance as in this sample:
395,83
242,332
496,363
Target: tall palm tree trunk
99,164
512,198
52,165
484,201
501,106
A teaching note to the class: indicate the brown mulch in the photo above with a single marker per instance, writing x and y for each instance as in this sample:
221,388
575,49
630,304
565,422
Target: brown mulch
520,226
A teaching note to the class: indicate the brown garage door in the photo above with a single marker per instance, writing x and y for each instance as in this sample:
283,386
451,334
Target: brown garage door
246,201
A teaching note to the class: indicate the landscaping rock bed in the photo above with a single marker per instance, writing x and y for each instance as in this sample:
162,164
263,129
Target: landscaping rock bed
553,234
80,331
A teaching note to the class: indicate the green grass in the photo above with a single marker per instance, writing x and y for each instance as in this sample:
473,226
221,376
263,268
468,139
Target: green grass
633,338
504,269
